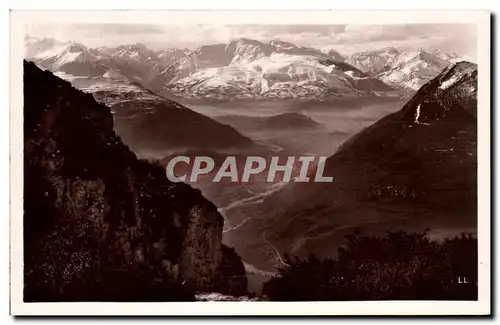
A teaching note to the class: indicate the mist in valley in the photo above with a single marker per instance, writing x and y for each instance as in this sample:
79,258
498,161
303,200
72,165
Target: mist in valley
277,129
334,123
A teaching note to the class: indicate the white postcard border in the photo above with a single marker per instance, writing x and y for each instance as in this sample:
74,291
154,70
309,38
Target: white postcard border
480,18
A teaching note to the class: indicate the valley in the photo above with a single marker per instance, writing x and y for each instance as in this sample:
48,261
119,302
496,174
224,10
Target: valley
323,132
435,164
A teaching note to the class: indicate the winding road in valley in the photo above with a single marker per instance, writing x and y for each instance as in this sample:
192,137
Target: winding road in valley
256,198
278,255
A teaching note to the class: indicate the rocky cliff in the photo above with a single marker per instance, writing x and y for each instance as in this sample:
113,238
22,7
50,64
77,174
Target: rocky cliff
102,225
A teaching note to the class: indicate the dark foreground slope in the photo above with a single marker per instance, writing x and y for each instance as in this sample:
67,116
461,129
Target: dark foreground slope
99,224
413,170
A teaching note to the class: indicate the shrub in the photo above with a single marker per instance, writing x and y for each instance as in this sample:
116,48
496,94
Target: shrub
399,266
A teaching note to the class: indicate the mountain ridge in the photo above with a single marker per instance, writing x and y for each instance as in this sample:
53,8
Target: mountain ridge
162,70
403,69
278,74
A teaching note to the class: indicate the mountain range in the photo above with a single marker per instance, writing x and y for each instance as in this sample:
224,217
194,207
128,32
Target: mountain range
250,69
135,82
146,121
408,70
245,69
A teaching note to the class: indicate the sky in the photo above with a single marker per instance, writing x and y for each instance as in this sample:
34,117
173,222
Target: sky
459,38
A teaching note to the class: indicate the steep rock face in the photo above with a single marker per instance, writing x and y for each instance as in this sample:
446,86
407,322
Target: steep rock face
101,225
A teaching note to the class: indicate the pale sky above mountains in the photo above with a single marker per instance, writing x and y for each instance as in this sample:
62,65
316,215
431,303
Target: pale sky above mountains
459,38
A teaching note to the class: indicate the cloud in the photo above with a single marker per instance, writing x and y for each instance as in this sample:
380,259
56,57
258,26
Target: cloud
373,33
412,37
319,30
206,34
119,29
344,38
96,35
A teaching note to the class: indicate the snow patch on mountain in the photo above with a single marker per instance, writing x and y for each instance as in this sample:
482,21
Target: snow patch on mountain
403,69
278,75
411,70
417,116
374,62
241,52
449,82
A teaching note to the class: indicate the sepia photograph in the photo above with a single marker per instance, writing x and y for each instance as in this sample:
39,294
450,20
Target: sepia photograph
333,163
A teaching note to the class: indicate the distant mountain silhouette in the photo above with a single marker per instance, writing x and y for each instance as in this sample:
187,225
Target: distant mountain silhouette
166,125
285,121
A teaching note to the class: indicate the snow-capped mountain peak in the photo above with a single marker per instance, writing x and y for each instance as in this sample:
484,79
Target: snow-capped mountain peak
411,70
134,47
407,70
283,45
253,73
53,54
134,52
376,61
